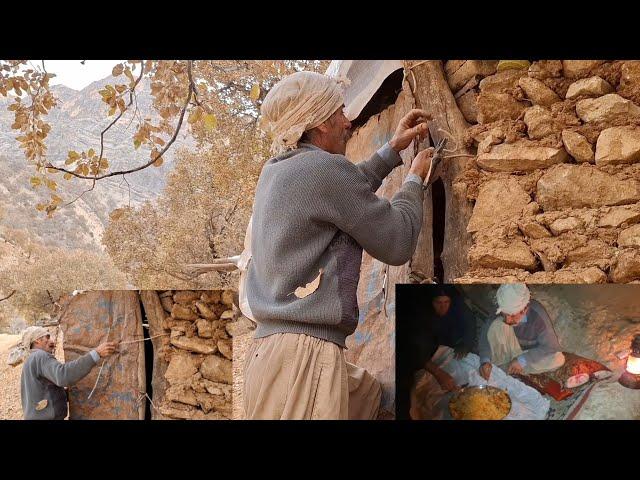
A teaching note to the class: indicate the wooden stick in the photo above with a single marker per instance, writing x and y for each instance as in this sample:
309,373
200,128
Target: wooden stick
143,339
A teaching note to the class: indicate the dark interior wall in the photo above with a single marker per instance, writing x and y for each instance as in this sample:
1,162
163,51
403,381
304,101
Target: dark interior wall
386,96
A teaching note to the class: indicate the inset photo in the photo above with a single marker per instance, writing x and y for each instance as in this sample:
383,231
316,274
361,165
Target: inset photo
120,355
518,352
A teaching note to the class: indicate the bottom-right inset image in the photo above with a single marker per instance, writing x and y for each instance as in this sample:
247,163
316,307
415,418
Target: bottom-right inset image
518,352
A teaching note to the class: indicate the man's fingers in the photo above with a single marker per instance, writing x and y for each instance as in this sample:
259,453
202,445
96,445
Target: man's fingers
416,114
420,130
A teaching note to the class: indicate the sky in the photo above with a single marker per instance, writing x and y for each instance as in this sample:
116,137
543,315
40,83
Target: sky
73,74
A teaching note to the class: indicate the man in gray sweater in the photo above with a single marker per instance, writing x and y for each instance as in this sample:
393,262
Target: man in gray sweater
44,378
314,213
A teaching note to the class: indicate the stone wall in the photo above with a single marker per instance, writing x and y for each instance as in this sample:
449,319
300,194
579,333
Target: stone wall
198,354
556,180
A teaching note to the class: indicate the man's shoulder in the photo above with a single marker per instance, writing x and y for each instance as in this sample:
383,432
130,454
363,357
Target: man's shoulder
317,156
313,164
540,312
37,356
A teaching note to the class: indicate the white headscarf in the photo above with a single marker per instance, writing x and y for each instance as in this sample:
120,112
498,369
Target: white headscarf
21,351
512,298
297,103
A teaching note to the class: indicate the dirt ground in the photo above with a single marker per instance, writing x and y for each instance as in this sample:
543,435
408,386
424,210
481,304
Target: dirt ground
10,408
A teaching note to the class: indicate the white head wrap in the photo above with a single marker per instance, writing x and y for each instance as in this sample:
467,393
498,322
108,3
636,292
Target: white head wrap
512,298
297,103
31,334
21,351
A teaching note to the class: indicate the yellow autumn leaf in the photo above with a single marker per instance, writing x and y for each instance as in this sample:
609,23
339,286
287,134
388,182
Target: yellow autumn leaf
309,288
117,70
41,405
255,92
210,121
91,152
35,181
157,140
68,176
194,116
158,162
40,207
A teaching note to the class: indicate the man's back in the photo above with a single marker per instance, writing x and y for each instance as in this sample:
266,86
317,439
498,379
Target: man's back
35,389
315,211
43,381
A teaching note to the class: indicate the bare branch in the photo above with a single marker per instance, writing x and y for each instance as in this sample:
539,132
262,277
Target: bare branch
8,296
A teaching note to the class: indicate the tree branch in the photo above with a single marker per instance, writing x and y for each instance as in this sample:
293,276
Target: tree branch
8,296
147,164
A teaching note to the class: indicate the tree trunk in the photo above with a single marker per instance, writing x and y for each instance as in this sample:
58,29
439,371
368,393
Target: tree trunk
432,94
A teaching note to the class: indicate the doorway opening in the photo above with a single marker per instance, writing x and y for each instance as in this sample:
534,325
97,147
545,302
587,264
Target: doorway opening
148,362
439,213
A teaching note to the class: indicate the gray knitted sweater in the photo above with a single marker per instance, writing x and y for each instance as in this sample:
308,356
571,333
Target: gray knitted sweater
315,210
44,378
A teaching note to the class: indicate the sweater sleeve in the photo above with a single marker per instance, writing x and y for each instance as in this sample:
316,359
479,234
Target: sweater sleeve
387,230
65,374
381,163
547,341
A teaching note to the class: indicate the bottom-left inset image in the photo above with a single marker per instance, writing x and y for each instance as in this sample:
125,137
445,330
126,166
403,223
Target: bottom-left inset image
122,355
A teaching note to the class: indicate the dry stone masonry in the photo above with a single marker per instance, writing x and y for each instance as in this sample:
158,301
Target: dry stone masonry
556,180
199,354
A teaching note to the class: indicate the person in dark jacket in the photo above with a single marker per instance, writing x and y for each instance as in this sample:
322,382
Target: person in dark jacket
450,323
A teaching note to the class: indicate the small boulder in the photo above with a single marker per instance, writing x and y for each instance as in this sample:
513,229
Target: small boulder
539,122
629,237
538,92
592,87
578,186
493,107
579,68
182,367
577,146
520,156
515,254
606,109
619,215
216,369
194,344
562,225
498,200
618,145
534,230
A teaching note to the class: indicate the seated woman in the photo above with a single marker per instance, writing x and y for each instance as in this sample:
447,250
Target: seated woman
521,339
451,324
447,322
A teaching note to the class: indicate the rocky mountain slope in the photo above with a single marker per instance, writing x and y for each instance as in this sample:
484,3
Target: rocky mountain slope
76,124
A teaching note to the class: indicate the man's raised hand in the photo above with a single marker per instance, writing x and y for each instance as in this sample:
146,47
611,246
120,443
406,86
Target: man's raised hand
412,125
105,349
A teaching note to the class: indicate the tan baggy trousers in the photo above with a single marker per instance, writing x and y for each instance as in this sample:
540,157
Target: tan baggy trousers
505,347
292,376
